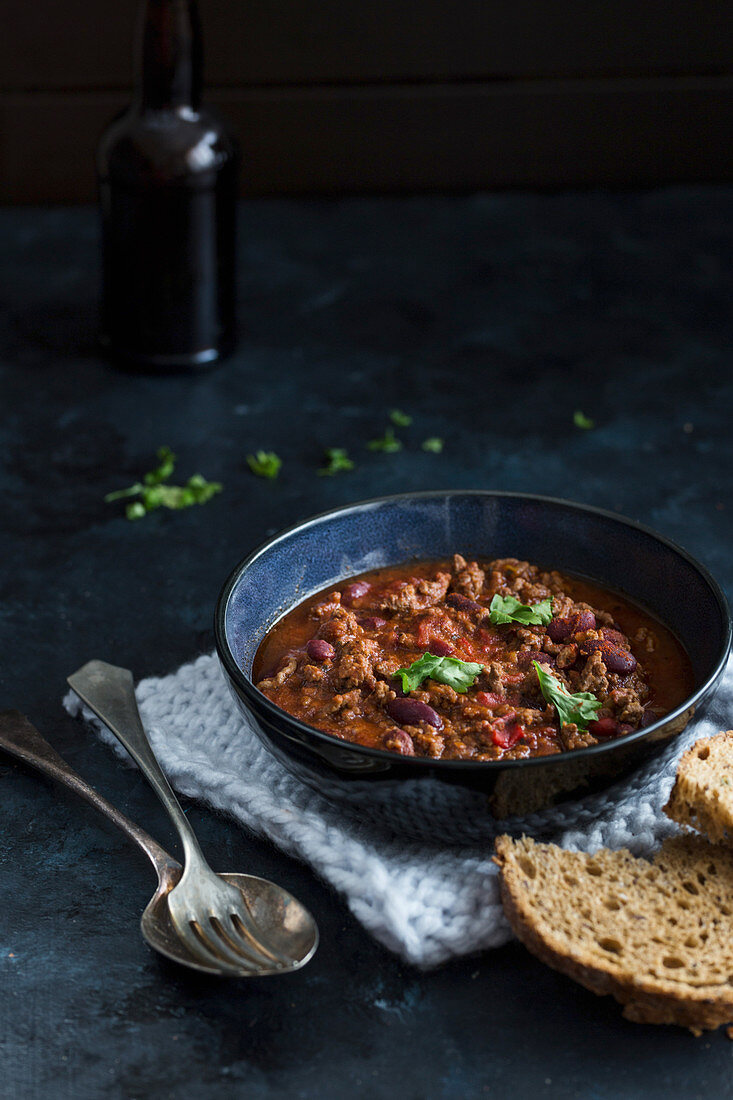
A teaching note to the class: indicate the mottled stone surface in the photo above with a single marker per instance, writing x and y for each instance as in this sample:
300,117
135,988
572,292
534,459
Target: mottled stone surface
490,319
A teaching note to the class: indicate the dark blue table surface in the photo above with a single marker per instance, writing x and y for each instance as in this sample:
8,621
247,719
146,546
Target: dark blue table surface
490,319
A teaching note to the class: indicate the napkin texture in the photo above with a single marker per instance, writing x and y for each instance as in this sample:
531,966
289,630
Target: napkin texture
427,902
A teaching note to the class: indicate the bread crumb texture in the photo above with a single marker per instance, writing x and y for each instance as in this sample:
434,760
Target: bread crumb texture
656,935
702,796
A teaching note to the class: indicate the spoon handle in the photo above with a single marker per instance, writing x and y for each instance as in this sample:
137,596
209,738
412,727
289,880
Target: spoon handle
110,692
22,740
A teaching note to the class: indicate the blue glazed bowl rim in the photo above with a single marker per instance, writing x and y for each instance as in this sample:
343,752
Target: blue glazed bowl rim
278,715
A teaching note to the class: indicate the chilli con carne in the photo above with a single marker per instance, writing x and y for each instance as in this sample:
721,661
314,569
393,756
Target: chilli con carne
333,661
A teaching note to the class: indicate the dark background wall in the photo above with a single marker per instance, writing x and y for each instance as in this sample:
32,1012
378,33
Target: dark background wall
385,95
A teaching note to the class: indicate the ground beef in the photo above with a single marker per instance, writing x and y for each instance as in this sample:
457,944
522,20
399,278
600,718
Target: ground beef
414,596
285,671
593,677
628,703
389,619
355,665
468,577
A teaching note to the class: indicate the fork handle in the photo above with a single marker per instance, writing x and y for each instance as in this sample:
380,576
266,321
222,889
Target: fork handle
22,740
109,691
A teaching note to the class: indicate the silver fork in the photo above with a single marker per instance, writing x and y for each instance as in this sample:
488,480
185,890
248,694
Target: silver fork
209,914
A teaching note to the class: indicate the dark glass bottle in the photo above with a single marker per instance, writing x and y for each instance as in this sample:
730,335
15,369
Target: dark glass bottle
167,179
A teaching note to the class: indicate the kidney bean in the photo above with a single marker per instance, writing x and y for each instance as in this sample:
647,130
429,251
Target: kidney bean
559,629
648,718
463,603
603,727
398,740
441,648
354,592
562,629
410,712
372,623
614,636
617,659
613,656
320,650
506,737
582,620
527,656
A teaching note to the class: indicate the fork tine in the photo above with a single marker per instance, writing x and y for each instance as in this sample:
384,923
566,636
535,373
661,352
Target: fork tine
245,954
243,927
240,931
197,944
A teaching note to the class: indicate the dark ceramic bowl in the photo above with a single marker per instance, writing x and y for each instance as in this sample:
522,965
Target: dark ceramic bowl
421,794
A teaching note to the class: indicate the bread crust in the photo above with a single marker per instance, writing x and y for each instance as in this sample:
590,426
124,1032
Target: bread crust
645,999
702,795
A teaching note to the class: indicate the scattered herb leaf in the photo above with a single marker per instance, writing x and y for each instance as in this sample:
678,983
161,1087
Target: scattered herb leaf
337,459
167,464
459,675
388,443
580,420
433,444
508,609
120,494
580,708
152,492
265,464
400,418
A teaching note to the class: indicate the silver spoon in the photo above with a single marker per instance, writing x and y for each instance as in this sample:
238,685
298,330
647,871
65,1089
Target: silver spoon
20,739
217,920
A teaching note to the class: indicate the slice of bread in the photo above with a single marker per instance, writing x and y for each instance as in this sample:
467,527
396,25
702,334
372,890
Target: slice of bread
656,935
702,795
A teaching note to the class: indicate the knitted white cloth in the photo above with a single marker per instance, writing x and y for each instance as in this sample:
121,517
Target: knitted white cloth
427,903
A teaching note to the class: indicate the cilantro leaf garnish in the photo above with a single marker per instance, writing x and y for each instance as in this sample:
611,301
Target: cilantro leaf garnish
433,444
387,443
400,418
337,459
265,464
508,609
580,708
167,464
580,420
153,492
459,675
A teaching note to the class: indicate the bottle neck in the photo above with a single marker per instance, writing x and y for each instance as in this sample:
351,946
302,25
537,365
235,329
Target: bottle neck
169,56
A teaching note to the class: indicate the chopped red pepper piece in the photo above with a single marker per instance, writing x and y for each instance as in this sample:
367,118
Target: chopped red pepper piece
507,737
488,698
603,727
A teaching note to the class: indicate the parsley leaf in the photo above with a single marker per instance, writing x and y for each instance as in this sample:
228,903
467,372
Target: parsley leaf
265,464
459,675
337,459
196,491
400,418
388,443
508,609
162,472
152,492
580,708
580,420
433,444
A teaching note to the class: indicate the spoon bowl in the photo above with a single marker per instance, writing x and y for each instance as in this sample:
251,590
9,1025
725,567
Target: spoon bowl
292,928
245,929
